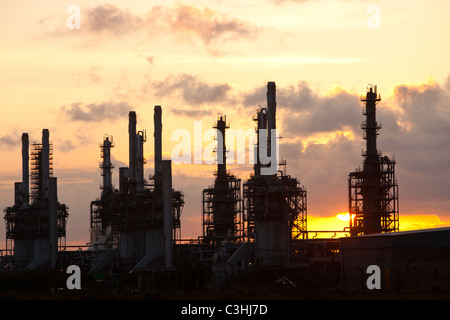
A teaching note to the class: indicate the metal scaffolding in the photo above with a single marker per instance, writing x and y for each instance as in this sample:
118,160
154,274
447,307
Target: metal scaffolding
373,191
221,203
36,229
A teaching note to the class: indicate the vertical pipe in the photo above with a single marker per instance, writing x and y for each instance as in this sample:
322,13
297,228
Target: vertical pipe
45,162
167,212
53,220
123,177
158,143
17,193
132,148
271,122
261,125
221,149
271,110
140,139
370,189
106,166
25,169
371,126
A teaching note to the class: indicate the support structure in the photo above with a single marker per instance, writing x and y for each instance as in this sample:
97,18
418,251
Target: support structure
141,220
274,204
222,214
373,191
36,223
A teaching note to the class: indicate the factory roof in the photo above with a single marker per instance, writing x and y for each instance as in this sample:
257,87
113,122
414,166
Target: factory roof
430,238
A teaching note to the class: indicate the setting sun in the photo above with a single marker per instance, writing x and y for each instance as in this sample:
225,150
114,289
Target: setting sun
343,216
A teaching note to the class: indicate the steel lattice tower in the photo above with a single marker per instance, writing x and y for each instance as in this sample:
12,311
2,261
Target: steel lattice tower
373,191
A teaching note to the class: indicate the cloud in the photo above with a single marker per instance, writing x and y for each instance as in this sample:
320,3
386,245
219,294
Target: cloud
186,22
422,143
279,2
95,112
309,113
150,59
209,25
189,89
9,140
94,73
109,19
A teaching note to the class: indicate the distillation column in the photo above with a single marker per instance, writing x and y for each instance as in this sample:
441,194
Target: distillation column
373,200
158,144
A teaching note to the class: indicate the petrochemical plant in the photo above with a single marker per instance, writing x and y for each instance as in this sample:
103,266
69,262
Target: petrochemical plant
254,231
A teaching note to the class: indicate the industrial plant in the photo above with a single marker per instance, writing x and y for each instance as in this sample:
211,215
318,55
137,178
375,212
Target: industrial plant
254,230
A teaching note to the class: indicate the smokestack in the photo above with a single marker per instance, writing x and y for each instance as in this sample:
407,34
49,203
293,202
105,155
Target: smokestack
53,220
25,169
140,139
45,162
221,147
132,147
167,212
261,121
372,205
271,120
106,165
371,126
271,106
158,143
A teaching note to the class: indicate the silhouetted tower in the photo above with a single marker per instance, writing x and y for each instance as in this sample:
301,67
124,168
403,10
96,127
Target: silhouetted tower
222,202
373,192
106,166
221,126
274,203
271,120
157,115
36,223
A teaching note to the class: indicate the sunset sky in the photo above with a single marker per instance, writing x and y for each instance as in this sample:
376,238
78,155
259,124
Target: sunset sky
198,59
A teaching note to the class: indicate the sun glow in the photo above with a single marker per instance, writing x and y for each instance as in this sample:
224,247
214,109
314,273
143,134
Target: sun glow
343,216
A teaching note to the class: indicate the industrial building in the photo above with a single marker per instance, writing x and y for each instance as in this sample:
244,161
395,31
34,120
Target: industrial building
36,223
253,232
373,191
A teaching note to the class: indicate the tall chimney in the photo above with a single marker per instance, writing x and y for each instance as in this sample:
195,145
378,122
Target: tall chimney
45,162
271,106
261,120
221,147
53,220
106,165
167,212
25,169
140,139
132,148
271,120
158,143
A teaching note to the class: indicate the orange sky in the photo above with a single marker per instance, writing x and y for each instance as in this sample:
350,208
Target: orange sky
199,58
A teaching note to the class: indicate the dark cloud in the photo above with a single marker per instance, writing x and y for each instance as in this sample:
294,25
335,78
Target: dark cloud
95,112
209,25
422,145
9,140
309,113
109,19
190,89
185,21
